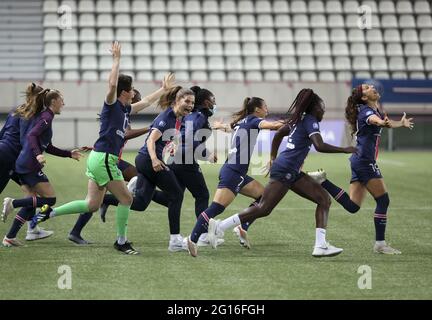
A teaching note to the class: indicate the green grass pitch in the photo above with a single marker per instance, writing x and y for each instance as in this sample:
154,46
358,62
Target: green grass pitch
279,265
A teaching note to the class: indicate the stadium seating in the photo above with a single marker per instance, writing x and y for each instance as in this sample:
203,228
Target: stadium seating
259,40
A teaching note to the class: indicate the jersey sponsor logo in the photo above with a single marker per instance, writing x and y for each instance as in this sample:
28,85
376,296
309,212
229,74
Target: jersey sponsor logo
369,113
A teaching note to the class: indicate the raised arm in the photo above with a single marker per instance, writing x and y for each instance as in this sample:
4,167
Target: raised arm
111,96
167,83
321,146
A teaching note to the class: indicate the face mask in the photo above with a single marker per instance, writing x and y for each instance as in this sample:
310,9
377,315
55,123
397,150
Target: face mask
213,111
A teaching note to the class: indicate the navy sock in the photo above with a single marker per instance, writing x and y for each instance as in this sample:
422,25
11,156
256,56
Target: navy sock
201,225
22,216
246,225
380,216
83,218
340,196
34,202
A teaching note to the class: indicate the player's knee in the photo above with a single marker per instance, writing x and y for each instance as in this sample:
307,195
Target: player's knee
176,197
324,200
383,202
93,205
126,199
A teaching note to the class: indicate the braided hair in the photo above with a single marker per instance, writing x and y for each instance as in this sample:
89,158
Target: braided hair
305,102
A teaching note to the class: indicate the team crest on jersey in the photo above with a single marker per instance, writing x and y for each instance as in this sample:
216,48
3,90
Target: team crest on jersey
315,125
162,123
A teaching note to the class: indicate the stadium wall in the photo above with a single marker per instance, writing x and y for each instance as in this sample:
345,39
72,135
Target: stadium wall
77,125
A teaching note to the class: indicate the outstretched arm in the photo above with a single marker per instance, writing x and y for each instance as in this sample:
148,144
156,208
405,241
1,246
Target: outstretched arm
167,83
220,125
272,125
111,96
403,122
321,146
134,133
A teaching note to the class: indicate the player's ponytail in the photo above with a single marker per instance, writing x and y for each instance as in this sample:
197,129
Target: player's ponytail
168,98
351,109
248,107
34,95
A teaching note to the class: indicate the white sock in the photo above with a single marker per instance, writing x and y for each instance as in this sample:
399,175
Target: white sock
52,213
174,236
320,237
381,243
229,223
121,239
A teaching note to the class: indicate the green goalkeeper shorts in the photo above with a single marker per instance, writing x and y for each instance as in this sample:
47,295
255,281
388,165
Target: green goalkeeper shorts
102,168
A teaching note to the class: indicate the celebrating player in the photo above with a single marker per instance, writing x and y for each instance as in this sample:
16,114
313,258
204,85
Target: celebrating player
303,130
366,121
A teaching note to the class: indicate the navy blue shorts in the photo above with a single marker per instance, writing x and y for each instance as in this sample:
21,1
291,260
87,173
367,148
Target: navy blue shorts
33,178
363,171
284,174
123,165
231,179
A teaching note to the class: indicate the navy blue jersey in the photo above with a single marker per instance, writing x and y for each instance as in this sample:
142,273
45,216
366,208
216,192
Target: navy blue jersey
10,135
367,135
243,143
299,142
190,125
167,124
38,138
114,121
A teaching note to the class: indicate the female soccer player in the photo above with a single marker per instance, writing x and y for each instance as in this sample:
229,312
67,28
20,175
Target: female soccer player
10,147
366,121
31,160
102,162
128,170
184,162
233,178
303,129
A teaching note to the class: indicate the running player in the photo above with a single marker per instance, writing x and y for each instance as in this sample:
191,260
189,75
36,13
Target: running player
31,160
127,169
303,130
102,162
10,147
233,178
366,121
